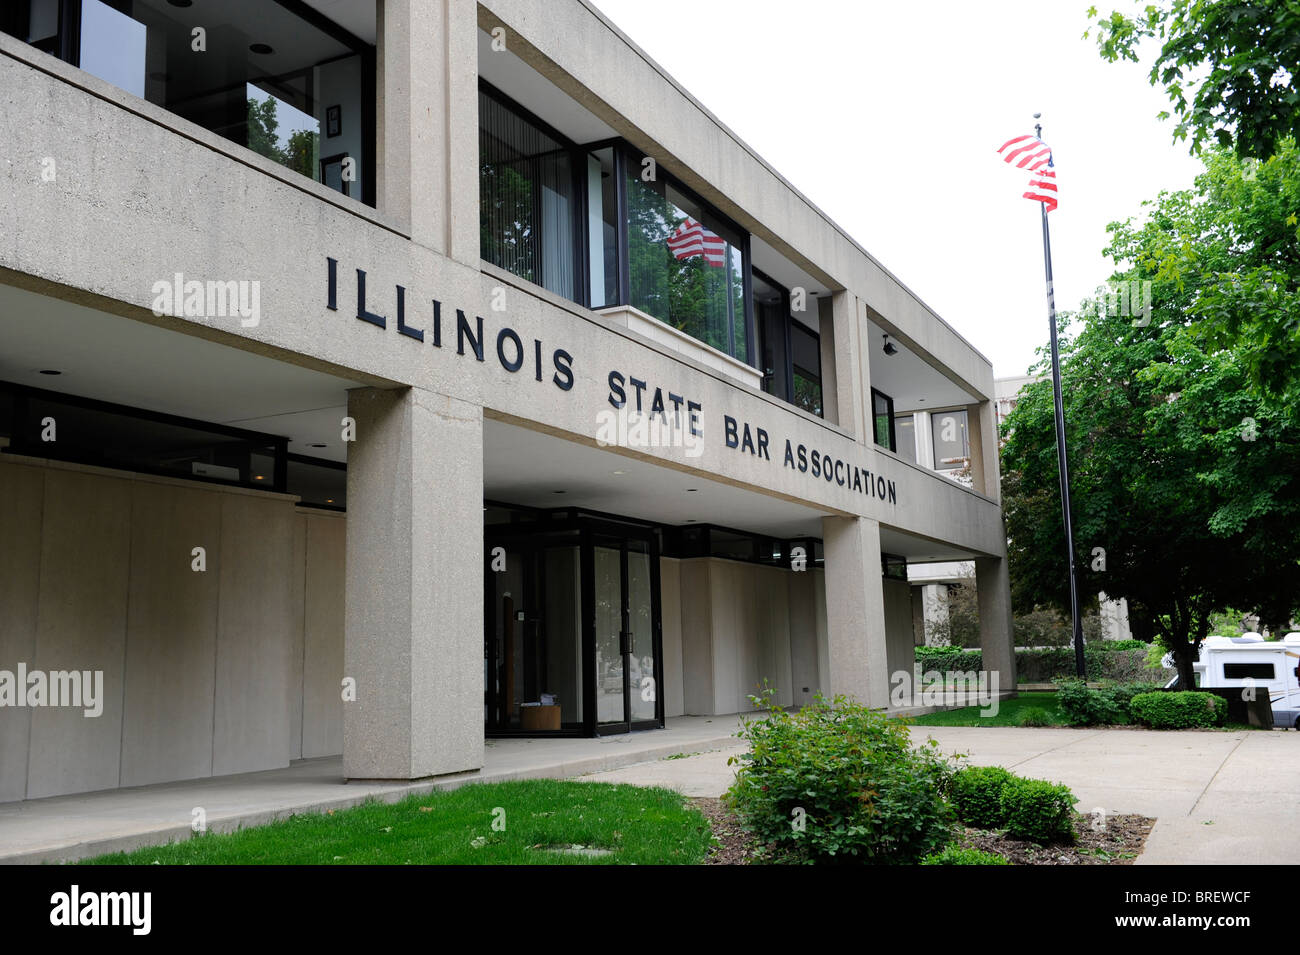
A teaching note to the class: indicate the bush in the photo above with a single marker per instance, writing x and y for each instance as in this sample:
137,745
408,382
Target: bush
1083,706
1037,810
838,782
976,796
958,856
1187,708
1123,696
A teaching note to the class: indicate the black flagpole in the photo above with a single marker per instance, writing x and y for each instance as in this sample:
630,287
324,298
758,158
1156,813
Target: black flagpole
1062,462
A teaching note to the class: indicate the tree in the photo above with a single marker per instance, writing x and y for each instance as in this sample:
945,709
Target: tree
1185,476
1227,65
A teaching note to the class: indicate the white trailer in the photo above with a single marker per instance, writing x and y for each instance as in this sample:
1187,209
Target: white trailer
1252,663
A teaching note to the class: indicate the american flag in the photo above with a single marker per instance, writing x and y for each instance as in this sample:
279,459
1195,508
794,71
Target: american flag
693,239
1030,152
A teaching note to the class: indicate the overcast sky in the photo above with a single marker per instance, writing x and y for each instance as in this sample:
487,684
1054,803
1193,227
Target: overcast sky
888,117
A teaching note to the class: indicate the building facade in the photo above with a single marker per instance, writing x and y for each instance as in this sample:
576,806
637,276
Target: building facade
379,377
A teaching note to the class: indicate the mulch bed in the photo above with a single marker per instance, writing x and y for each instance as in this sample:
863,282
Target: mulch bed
1118,842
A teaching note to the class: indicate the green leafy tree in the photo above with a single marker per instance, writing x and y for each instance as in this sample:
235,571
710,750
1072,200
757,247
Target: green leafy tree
1184,472
1228,66
262,126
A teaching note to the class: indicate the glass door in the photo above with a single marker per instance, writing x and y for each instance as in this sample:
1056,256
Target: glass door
626,614
533,653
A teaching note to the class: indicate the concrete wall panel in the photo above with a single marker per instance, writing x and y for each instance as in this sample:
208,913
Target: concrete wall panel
670,596
85,554
171,634
254,636
322,700
22,492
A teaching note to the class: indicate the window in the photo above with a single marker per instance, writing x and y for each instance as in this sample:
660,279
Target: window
1248,671
882,409
130,439
602,227
789,352
893,567
905,434
685,267
287,83
527,199
806,367
951,442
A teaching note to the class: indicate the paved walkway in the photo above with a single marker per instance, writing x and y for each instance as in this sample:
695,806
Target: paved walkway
1230,798
73,827
1224,798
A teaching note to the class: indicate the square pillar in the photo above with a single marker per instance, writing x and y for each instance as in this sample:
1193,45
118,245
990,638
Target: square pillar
413,631
997,640
427,123
855,610
982,428
852,381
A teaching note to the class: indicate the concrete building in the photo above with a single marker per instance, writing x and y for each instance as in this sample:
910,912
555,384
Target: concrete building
379,377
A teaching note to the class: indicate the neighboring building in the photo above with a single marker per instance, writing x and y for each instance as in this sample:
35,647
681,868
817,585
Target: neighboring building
931,583
382,377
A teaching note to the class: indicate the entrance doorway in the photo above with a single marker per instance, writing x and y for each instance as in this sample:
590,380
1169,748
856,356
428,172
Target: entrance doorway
572,642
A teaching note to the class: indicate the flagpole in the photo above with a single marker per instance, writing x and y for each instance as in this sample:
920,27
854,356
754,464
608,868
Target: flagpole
1061,457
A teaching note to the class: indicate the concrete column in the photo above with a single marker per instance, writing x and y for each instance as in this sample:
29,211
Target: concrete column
830,386
982,426
921,423
855,610
413,633
849,379
427,121
993,587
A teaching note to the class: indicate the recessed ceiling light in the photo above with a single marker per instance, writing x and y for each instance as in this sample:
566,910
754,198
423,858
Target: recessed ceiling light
329,500
262,48
557,492
691,490
181,3
50,371
257,477
316,445
617,472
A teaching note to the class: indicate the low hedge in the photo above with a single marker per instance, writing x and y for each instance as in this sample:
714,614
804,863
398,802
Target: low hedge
1083,705
1037,810
1102,661
990,797
975,794
1180,710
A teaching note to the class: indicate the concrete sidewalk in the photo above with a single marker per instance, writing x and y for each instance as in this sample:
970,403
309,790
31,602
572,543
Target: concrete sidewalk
62,828
1221,798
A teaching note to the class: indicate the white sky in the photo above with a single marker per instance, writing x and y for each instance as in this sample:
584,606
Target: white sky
888,116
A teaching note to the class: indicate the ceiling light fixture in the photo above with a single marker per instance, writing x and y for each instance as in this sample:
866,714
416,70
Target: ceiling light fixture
261,48
50,371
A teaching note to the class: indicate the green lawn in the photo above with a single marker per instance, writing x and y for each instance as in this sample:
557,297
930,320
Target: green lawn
1010,713
641,826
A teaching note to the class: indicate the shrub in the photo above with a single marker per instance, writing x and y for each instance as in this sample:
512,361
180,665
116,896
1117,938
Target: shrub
1083,706
838,782
1179,710
1037,810
954,855
1123,697
976,796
